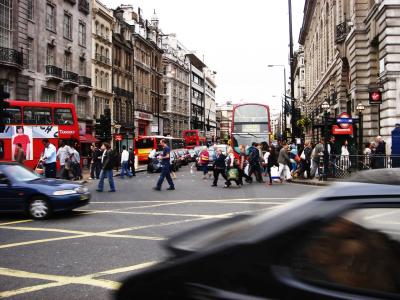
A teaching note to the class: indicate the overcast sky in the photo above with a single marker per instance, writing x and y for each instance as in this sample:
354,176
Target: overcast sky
237,38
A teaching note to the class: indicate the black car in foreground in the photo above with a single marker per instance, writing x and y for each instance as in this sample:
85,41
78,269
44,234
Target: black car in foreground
341,243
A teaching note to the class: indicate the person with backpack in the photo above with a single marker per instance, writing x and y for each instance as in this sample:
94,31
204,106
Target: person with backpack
219,166
254,161
107,160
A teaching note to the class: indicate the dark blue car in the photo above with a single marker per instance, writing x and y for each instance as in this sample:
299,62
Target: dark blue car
23,191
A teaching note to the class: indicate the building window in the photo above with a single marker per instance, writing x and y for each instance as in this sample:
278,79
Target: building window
50,17
82,67
67,61
82,34
66,98
48,95
67,26
5,23
29,53
107,81
97,27
96,78
50,55
101,79
81,107
30,6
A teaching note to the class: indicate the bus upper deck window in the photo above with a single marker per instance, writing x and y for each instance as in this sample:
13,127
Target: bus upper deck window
63,116
12,115
37,116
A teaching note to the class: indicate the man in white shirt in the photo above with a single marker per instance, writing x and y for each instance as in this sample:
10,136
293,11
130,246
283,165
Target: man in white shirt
63,154
49,159
125,163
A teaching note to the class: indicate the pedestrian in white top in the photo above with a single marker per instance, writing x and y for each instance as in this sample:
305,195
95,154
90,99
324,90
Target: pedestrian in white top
49,159
63,155
125,163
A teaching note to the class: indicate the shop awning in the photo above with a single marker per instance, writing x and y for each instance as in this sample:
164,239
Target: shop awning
88,139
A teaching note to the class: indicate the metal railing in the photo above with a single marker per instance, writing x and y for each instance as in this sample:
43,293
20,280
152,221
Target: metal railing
83,80
102,58
341,166
70,76
54,71
11,56
122,92
341,32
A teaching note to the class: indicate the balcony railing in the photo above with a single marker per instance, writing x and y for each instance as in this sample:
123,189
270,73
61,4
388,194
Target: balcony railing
53,71
341,32
70,76
11,56
83,6
142,107
102,58
85,81
122,93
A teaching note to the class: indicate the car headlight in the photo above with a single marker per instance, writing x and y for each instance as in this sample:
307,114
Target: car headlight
64,192
81,190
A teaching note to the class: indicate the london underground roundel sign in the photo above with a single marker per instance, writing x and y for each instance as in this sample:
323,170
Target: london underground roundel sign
345,124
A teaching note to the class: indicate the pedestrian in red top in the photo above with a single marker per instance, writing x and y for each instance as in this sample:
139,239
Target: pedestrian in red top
203,160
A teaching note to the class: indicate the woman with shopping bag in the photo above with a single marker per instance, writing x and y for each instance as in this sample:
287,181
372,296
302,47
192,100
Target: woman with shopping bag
243,166
272,165
284,161
232,172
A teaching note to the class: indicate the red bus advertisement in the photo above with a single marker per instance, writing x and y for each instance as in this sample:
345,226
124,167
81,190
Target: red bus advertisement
250,123
193,139
27,123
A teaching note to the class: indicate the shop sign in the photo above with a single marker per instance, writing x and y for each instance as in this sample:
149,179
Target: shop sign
345,125
143,116
118,137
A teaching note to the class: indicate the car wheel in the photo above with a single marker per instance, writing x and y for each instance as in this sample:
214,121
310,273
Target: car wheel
39,208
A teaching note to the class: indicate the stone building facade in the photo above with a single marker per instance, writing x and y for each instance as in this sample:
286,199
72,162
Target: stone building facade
147,71
103,23
197,93
351,48
122,115
224,114
176,87
54,37
210,105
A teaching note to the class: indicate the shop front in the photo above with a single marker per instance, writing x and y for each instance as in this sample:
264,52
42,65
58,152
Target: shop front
143,123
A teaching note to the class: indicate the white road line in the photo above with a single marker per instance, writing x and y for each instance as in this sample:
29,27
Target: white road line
192,200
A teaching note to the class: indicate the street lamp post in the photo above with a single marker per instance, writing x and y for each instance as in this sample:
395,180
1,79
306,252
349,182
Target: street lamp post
284,94
325,107
360,108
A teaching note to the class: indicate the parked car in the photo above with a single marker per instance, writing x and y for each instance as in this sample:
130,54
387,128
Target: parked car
192,154
175,162
154,165
342,242
21,190
211,153
183,156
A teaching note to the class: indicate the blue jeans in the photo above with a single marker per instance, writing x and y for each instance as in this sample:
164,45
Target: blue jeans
109,175
204,168
165,173
125,169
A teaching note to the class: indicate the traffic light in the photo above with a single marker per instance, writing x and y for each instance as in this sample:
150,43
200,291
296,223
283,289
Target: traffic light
3,105
375,97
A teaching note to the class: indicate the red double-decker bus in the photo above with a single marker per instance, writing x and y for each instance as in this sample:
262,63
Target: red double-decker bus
193,139
250,123
27,123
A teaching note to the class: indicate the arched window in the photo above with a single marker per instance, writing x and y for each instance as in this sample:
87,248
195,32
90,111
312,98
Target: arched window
97,27
97,48
107,33
102,30
101,50
107,54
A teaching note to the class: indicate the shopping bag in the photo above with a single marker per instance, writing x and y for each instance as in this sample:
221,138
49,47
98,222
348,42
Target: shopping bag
39,170
275,173
233,174
246,170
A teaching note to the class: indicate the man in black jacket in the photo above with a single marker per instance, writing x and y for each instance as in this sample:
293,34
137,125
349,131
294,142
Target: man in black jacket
95,167
107,159
219,167
132,161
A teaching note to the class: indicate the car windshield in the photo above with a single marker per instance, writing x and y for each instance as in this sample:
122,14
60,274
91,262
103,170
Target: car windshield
19,173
